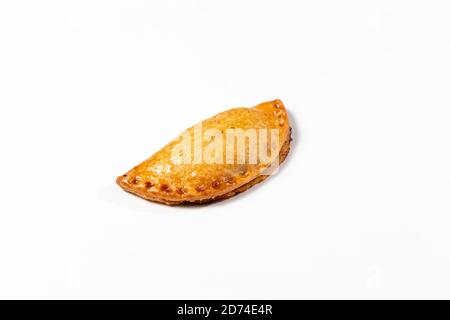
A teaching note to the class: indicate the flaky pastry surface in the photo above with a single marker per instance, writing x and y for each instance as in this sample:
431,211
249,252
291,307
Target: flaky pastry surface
161,180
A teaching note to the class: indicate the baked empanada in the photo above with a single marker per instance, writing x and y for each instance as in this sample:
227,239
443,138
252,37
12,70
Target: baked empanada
215,159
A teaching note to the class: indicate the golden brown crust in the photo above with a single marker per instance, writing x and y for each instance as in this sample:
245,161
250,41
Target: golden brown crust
159,179
283,155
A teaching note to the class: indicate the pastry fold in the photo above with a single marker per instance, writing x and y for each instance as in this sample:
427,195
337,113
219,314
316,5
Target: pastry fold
215,159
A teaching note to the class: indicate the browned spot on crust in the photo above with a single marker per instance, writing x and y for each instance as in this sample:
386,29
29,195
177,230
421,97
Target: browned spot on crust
165,188
229,179
277,104
149,184
200,188
181,190
215,184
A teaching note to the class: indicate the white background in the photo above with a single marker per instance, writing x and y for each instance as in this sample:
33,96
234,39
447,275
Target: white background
361,209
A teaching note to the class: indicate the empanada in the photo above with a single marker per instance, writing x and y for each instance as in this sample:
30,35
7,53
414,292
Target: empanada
208,163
